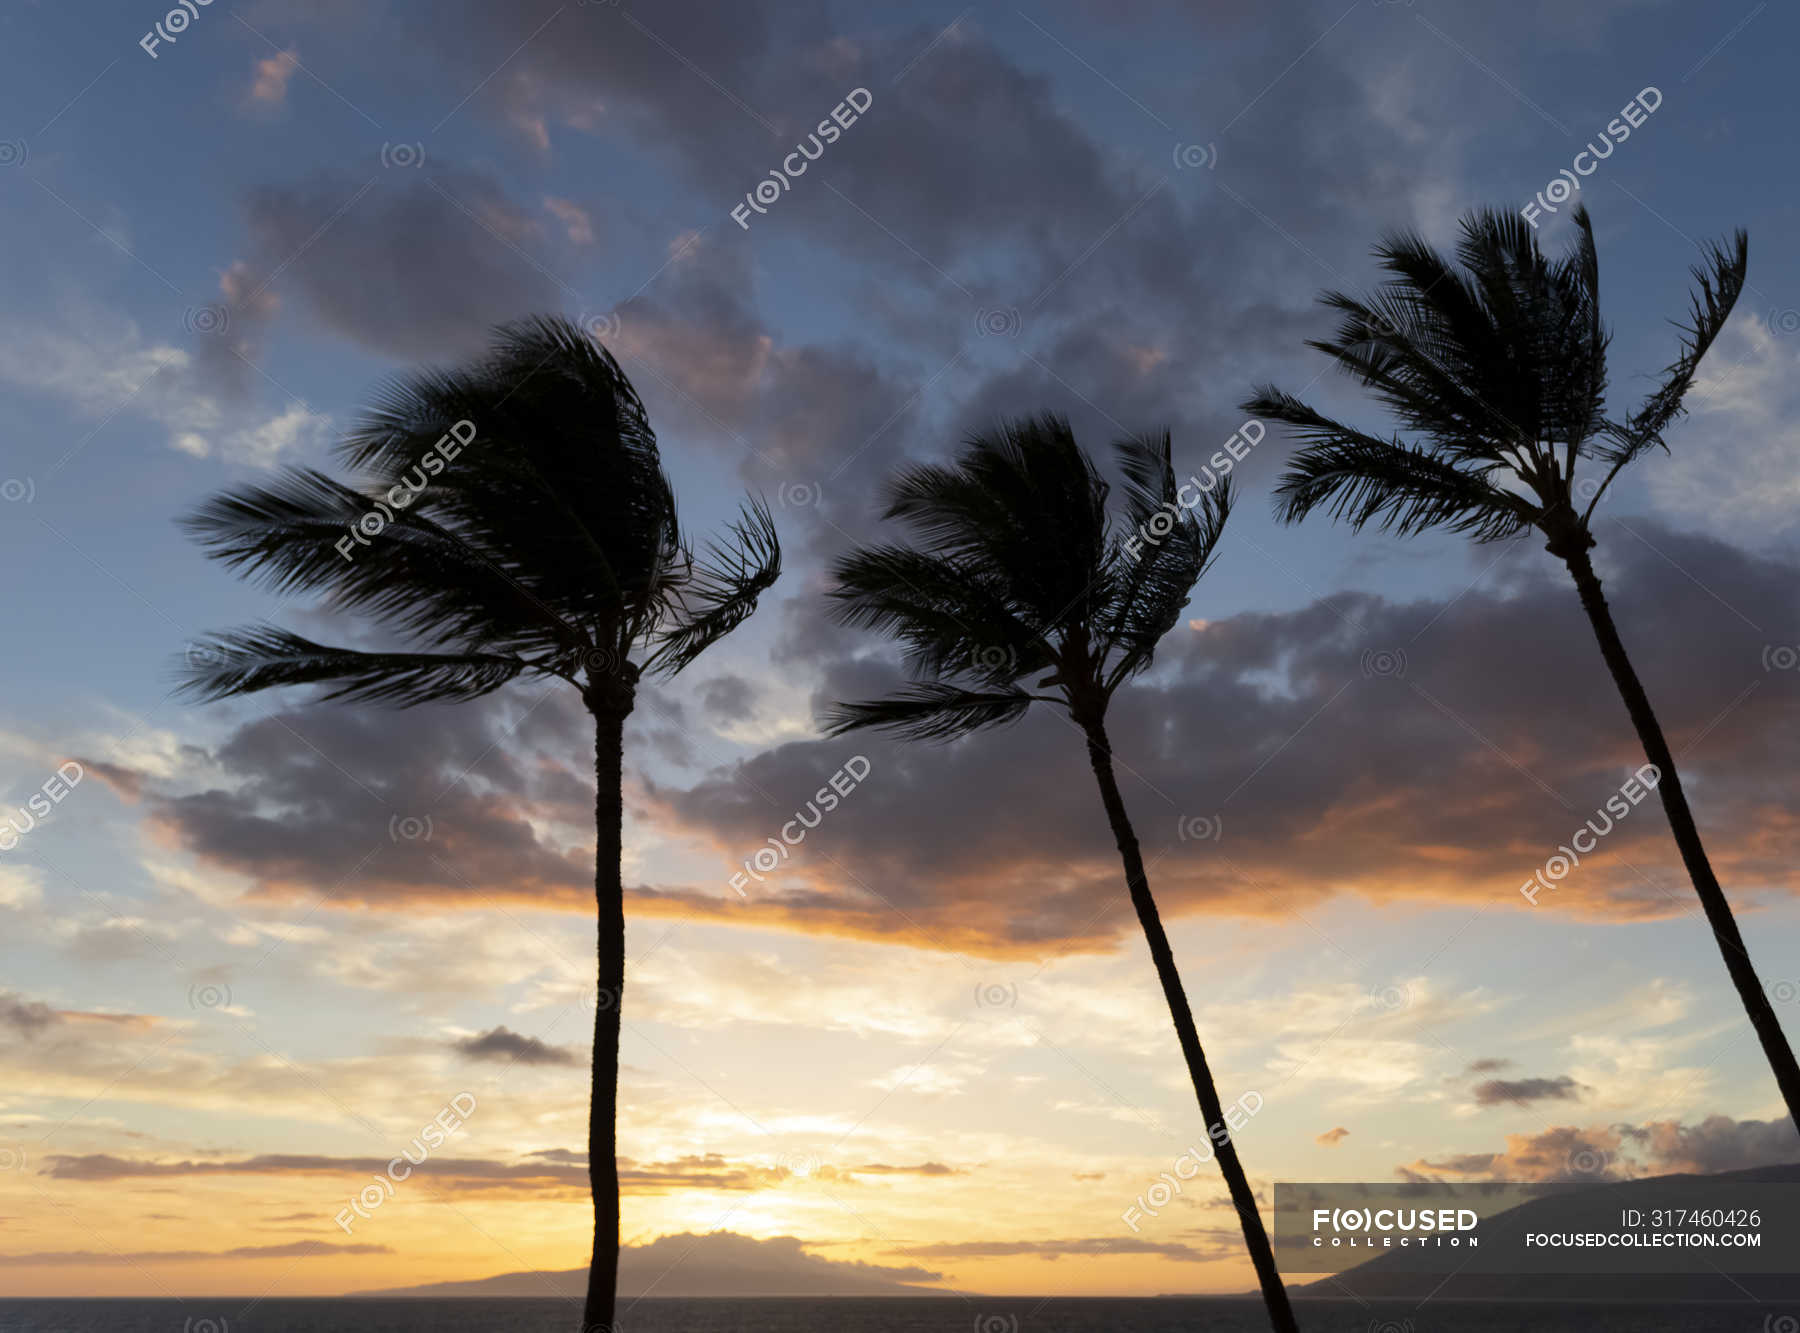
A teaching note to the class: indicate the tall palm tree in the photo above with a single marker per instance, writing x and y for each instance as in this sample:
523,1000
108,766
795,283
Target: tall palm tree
530,532
1499,369
1023,573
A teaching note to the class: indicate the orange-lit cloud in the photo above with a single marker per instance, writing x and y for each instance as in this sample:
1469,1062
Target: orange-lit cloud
1622,1151
272,77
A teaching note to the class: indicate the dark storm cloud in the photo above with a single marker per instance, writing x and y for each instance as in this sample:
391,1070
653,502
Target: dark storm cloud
1103,280
511,1047
414,263
965,152
1525,1091
728,698
1441,749
708,364
374,806
1108,274
1127,289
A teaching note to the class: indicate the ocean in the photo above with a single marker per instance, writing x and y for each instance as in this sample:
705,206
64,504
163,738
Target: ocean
898,1315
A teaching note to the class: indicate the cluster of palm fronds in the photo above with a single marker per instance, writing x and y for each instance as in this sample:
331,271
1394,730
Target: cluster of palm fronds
551,545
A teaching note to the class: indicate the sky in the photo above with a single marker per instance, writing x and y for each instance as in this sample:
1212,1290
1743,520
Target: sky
257,946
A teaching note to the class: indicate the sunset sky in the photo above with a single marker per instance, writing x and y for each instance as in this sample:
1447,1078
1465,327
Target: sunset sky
259,945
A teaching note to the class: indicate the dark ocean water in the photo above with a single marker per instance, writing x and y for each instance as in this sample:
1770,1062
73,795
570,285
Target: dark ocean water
949,1315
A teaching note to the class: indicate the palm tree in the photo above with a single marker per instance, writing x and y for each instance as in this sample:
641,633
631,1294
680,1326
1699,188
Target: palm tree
530,531
1500,370
1025,574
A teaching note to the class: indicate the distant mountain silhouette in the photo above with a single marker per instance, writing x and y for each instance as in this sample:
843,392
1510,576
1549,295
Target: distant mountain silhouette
1475,1277
721,1263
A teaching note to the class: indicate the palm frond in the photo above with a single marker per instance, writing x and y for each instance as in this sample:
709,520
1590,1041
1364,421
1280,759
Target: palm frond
721,590
1496,364
952,619
526,523
1153,571
1022,505
1025,588
1717,287
930,711
1401,488
244,661
300,533
562,480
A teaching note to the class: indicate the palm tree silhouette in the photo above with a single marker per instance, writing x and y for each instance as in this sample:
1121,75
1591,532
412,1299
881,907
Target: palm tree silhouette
1024,573
530,531
1500,369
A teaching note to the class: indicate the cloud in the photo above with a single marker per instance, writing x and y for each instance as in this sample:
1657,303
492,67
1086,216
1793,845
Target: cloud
415,264
809,423
566,1155
502,1044
1719,1143
1732,468
471,804
1445,775
576,222
1394,750
1223,1243
1622,1152
126,783
1353,745
462,1170
715,1172
1525,1091
728,698
272,75
922,1169
21,887
300,1249
28,1017
1332,1137
547,1172
1110,251
196,389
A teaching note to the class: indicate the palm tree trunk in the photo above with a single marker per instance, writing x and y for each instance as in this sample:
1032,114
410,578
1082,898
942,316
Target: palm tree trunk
609,982
1256,1240
1687,837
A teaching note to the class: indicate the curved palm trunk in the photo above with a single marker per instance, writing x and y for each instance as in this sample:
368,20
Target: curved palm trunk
1687,837
1256,1240
609,981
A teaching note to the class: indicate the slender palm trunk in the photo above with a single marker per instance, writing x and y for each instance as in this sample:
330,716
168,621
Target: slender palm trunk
1687,837
1256,1240
609,993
